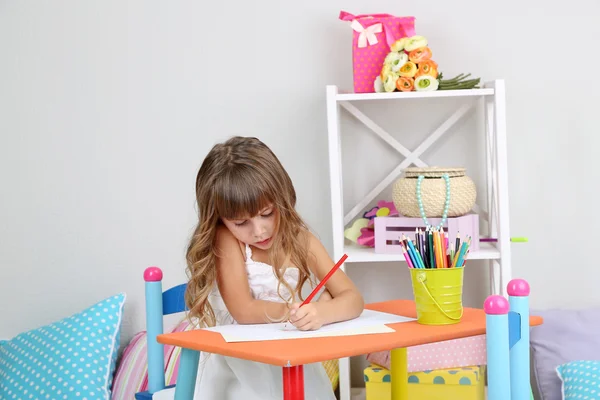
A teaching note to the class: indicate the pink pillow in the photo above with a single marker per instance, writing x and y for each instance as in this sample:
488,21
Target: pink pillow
132,372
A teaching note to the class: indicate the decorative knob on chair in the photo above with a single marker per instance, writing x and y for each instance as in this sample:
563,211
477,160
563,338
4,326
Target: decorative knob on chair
153,274
496,305
518,287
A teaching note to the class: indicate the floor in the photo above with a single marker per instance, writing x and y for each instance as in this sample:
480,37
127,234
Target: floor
358,394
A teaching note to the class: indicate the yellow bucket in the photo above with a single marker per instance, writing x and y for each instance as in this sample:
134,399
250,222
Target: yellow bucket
438,295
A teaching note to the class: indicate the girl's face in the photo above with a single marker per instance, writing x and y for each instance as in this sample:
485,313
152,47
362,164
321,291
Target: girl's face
255,230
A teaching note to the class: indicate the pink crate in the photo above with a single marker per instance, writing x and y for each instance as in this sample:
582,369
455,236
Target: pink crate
454,353
389,230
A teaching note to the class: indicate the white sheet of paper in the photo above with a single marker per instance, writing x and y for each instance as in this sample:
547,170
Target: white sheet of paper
368,322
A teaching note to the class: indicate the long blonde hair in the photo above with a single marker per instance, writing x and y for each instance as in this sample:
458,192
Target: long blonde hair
240,177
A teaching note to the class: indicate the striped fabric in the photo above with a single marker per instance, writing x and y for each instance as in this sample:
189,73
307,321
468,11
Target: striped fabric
131,376
132,373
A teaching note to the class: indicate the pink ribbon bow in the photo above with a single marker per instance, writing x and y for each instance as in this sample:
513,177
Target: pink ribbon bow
366,34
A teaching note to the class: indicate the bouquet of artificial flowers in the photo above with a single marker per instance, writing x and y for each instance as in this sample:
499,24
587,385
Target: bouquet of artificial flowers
409,67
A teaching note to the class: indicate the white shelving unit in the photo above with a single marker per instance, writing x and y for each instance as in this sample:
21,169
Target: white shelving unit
495,212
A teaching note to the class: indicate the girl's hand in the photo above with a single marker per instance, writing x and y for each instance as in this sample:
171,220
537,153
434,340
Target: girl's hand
307,317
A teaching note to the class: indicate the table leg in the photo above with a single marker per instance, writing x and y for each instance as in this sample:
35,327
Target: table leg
399,374
186,378
293,383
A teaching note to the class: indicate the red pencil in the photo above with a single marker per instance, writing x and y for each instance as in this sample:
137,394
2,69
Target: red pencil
320,285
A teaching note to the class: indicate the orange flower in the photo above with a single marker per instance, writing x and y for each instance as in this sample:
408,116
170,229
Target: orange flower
427,67
408,70
419,55
405,84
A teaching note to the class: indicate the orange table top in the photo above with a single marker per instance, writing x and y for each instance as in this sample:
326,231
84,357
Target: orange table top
290,352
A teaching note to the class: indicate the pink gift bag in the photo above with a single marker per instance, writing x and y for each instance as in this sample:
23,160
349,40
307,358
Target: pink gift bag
373,34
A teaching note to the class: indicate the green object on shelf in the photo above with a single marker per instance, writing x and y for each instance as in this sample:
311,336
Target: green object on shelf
519,239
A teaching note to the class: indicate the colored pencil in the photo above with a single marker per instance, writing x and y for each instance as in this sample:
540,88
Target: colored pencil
463,249
417,256
448,259
444,248
406,256
436,245
457,244
417,242
425,239
467,253
423,248
405,241
441,249
412,256
455,259
324,280
421,261
434,249
431,249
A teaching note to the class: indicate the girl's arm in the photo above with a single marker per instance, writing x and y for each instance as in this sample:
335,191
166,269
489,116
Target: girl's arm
325,295
346,301
232,280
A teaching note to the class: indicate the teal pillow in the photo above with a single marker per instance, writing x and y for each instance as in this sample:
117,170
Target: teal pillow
580,379
73,358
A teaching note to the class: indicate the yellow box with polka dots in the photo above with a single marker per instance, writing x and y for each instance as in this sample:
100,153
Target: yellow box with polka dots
464,383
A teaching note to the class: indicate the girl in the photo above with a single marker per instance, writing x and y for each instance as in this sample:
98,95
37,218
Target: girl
248,259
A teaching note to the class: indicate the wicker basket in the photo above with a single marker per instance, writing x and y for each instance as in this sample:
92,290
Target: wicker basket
433,192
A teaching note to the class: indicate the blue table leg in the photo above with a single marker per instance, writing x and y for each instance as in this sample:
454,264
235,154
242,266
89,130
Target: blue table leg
186,379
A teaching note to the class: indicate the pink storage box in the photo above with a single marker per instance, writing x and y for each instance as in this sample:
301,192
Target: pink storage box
373,34
447,354
389,230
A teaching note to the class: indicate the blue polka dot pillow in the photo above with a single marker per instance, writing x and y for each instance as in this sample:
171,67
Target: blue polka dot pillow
73,358
580,379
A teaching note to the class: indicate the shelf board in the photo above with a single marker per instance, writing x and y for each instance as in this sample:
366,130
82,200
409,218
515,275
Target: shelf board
414,95
361,254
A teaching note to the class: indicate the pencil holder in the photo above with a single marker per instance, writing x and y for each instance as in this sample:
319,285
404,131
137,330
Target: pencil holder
434,192
438,295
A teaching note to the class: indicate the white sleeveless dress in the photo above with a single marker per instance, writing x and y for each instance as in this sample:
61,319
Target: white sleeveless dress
228,378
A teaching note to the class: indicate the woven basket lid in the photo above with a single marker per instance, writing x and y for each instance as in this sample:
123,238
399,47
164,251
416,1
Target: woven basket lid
434,172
